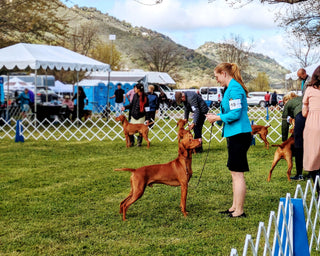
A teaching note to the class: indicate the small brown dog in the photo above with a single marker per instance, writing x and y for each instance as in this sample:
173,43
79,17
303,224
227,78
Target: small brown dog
284,151
131,129
175,173
262,131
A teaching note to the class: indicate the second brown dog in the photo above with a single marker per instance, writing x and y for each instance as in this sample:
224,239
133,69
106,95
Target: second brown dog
131,129
262,131
284,151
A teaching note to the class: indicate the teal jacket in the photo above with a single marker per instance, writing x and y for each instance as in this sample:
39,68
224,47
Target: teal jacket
234,110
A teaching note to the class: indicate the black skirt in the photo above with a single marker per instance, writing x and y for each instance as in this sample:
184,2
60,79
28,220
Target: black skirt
238,146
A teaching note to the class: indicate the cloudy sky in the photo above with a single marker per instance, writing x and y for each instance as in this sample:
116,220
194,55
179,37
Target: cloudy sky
193,22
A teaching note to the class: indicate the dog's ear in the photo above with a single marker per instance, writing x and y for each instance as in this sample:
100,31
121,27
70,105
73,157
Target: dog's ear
182,150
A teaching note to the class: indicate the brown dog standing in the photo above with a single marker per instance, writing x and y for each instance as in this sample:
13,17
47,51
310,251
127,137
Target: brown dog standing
262,131
175,173
131,129
283,151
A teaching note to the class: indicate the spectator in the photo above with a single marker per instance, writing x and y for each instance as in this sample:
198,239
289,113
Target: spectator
274,99
68,106
237,130
311,139
193,102
119,94
31,96
139,110
81,98
163,104
292,109
153,104
130,95
305,79
267,98
24,99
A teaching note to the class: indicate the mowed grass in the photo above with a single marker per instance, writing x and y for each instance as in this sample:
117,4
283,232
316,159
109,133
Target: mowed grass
62,198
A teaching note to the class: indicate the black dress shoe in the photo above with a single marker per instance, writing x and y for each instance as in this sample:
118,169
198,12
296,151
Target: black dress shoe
226,212
243,215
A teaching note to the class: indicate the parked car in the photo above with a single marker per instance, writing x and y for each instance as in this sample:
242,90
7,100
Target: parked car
256,99
212,95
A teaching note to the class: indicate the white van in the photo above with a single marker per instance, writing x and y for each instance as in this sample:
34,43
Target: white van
256,99
212,95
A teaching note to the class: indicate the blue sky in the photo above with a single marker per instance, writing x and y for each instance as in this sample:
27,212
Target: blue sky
193,22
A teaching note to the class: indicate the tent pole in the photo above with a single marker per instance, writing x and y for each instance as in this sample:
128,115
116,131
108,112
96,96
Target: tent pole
78,94
35,94
107,107
8,81
46,86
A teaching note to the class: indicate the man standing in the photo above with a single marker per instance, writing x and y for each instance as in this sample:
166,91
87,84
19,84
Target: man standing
267,99
302,74
193,102
119,94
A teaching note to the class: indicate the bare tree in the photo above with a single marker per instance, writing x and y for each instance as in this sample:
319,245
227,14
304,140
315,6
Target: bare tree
303,18
160,55
83,38
302,48
235,50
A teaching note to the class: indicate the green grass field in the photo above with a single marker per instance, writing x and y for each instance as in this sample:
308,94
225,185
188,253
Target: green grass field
62,198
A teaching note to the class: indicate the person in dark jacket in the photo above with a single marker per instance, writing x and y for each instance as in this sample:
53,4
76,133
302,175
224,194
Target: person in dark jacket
153,104
139,107
193,102
293,109
81,101
274,99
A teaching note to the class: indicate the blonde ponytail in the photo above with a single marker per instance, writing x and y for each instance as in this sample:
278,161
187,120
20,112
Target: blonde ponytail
233,70
237,76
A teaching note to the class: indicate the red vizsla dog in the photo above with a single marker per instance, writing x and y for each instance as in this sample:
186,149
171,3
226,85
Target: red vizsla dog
283,151
181,123
175,173
131,129
262,131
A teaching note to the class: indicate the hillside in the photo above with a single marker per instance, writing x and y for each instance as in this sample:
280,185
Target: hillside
257,63
195,66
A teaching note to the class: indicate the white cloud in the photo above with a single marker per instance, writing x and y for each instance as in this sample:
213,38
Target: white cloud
192,23
189,15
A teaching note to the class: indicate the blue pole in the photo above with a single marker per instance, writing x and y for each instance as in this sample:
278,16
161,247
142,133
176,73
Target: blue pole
267,117
253,141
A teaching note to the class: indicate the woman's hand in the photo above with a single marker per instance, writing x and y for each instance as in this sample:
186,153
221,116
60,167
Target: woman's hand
212,117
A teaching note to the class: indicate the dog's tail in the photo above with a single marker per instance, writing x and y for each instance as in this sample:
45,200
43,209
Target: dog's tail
267,126
125,169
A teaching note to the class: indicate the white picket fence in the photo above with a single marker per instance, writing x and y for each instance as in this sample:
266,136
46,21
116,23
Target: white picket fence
100,127
285,242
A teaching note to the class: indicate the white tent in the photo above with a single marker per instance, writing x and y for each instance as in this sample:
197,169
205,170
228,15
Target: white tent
132,77
308,69
16,81
60,87
38,56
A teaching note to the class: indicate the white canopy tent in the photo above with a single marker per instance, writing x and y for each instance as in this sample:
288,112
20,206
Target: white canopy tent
36,56
16,81
60,87
308,69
